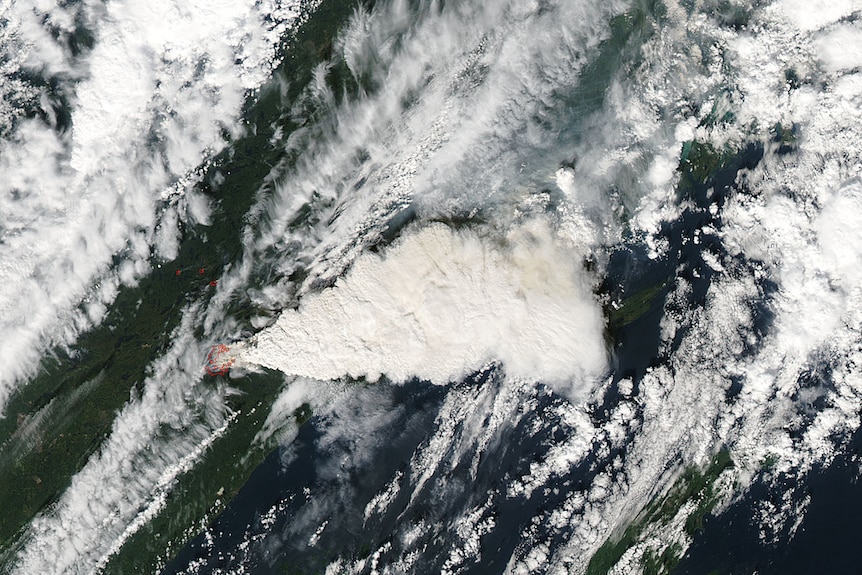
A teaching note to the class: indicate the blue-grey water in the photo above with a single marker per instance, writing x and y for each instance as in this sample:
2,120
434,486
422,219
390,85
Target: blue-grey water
670,187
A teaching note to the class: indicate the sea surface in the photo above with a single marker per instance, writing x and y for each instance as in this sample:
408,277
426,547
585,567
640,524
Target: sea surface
420,286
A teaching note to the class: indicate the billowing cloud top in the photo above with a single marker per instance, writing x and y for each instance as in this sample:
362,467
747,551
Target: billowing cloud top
440,304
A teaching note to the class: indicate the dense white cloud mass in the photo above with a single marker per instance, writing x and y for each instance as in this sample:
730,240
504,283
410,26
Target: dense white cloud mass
494,115
442,303
796,228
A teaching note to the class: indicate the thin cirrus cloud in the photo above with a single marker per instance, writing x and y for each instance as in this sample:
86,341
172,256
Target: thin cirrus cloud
148,103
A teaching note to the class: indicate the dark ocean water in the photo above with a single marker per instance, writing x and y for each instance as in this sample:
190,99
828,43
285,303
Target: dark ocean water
705,199
823,543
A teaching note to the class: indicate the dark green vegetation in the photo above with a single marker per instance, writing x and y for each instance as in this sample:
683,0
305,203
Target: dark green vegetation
635,305
693,485
78,397
700,163
731,14
785,137
656,563
619,54
195,499
202,492
769,462
302,413
78,394
60,418
627,34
